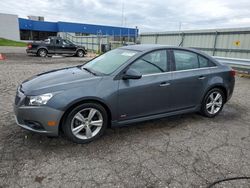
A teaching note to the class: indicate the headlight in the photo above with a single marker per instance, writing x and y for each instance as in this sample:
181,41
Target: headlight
40,99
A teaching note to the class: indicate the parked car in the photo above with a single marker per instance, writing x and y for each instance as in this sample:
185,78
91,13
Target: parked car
55,45
126,85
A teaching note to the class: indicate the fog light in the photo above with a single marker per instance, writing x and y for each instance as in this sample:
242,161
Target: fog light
34,125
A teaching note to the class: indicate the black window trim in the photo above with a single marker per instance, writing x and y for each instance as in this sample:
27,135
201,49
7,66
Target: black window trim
170,63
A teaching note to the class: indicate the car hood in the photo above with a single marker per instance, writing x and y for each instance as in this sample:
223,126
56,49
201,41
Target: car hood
58,80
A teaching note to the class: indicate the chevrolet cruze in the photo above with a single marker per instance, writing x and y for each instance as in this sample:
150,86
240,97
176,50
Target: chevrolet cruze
126,85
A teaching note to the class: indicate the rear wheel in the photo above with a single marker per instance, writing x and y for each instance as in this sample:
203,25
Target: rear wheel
80,53
85,123
42,52
213,102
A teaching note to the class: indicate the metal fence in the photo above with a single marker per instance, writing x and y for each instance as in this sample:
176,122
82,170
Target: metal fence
241,65
234,43
99,43
91,42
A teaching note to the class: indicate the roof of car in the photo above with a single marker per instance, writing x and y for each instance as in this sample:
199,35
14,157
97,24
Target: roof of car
144,47
148,47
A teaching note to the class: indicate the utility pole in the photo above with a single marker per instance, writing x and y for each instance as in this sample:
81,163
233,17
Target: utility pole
180,24
180,34
122,12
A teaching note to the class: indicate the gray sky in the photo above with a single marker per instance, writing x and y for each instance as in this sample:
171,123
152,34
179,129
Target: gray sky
148,15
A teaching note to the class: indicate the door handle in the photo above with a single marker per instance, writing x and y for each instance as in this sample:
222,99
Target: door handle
201,77
163,84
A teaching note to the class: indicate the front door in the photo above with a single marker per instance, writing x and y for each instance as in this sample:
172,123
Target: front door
148,95
68,47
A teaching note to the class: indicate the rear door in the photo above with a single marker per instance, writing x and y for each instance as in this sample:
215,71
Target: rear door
150,94
189,79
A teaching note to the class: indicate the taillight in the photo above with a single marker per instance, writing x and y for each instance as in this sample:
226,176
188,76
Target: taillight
29,46
232,73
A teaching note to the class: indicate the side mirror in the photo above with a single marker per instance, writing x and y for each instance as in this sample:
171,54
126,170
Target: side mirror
132,74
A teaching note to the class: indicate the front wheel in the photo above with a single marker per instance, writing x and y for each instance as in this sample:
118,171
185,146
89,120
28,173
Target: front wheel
213,103
80,53
85,123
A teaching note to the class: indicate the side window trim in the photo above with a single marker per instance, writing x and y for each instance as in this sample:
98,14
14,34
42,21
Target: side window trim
172,61
169,60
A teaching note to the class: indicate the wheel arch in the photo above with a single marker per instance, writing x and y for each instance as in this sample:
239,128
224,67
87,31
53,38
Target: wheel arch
219,86
82,101
83,49
42,47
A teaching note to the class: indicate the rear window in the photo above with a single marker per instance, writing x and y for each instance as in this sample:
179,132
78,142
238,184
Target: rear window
185,60
204,62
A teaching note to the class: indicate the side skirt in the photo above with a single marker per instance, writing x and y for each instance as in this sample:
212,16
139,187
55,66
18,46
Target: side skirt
152,117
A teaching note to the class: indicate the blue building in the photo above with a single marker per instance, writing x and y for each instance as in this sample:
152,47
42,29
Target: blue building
39,30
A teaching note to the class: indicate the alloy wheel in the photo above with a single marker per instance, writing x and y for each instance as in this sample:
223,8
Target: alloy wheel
214,102
87,123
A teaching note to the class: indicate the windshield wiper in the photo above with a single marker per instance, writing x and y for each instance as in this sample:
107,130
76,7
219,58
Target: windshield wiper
90,71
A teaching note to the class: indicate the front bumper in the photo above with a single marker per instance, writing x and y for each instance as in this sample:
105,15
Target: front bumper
37,118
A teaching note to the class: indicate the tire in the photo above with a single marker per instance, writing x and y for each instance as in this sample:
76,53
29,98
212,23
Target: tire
80,53
85,123
213,103
42,52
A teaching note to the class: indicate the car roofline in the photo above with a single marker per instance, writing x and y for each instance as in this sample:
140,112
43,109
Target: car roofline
144,48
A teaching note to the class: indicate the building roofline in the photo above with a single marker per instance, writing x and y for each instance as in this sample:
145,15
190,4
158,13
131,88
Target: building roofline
202,31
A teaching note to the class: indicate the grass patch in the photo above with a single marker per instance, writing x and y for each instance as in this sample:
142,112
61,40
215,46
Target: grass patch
6,42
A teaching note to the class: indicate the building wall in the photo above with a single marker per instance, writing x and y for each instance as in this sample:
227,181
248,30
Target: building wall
233,43
67,27
9,27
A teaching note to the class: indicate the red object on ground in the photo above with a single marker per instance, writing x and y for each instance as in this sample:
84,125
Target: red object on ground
2,57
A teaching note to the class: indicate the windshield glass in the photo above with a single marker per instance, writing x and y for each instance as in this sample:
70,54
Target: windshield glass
110,61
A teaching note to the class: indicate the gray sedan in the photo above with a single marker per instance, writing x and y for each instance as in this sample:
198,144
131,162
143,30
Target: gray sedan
126,85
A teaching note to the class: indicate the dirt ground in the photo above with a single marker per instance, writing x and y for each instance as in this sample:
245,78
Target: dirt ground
181,151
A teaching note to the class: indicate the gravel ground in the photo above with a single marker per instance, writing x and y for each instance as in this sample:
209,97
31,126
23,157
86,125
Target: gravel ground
181,151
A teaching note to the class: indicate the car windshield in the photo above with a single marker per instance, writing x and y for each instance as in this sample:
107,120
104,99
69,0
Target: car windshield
109,62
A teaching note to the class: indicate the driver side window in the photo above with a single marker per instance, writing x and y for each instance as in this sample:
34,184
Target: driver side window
153,62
